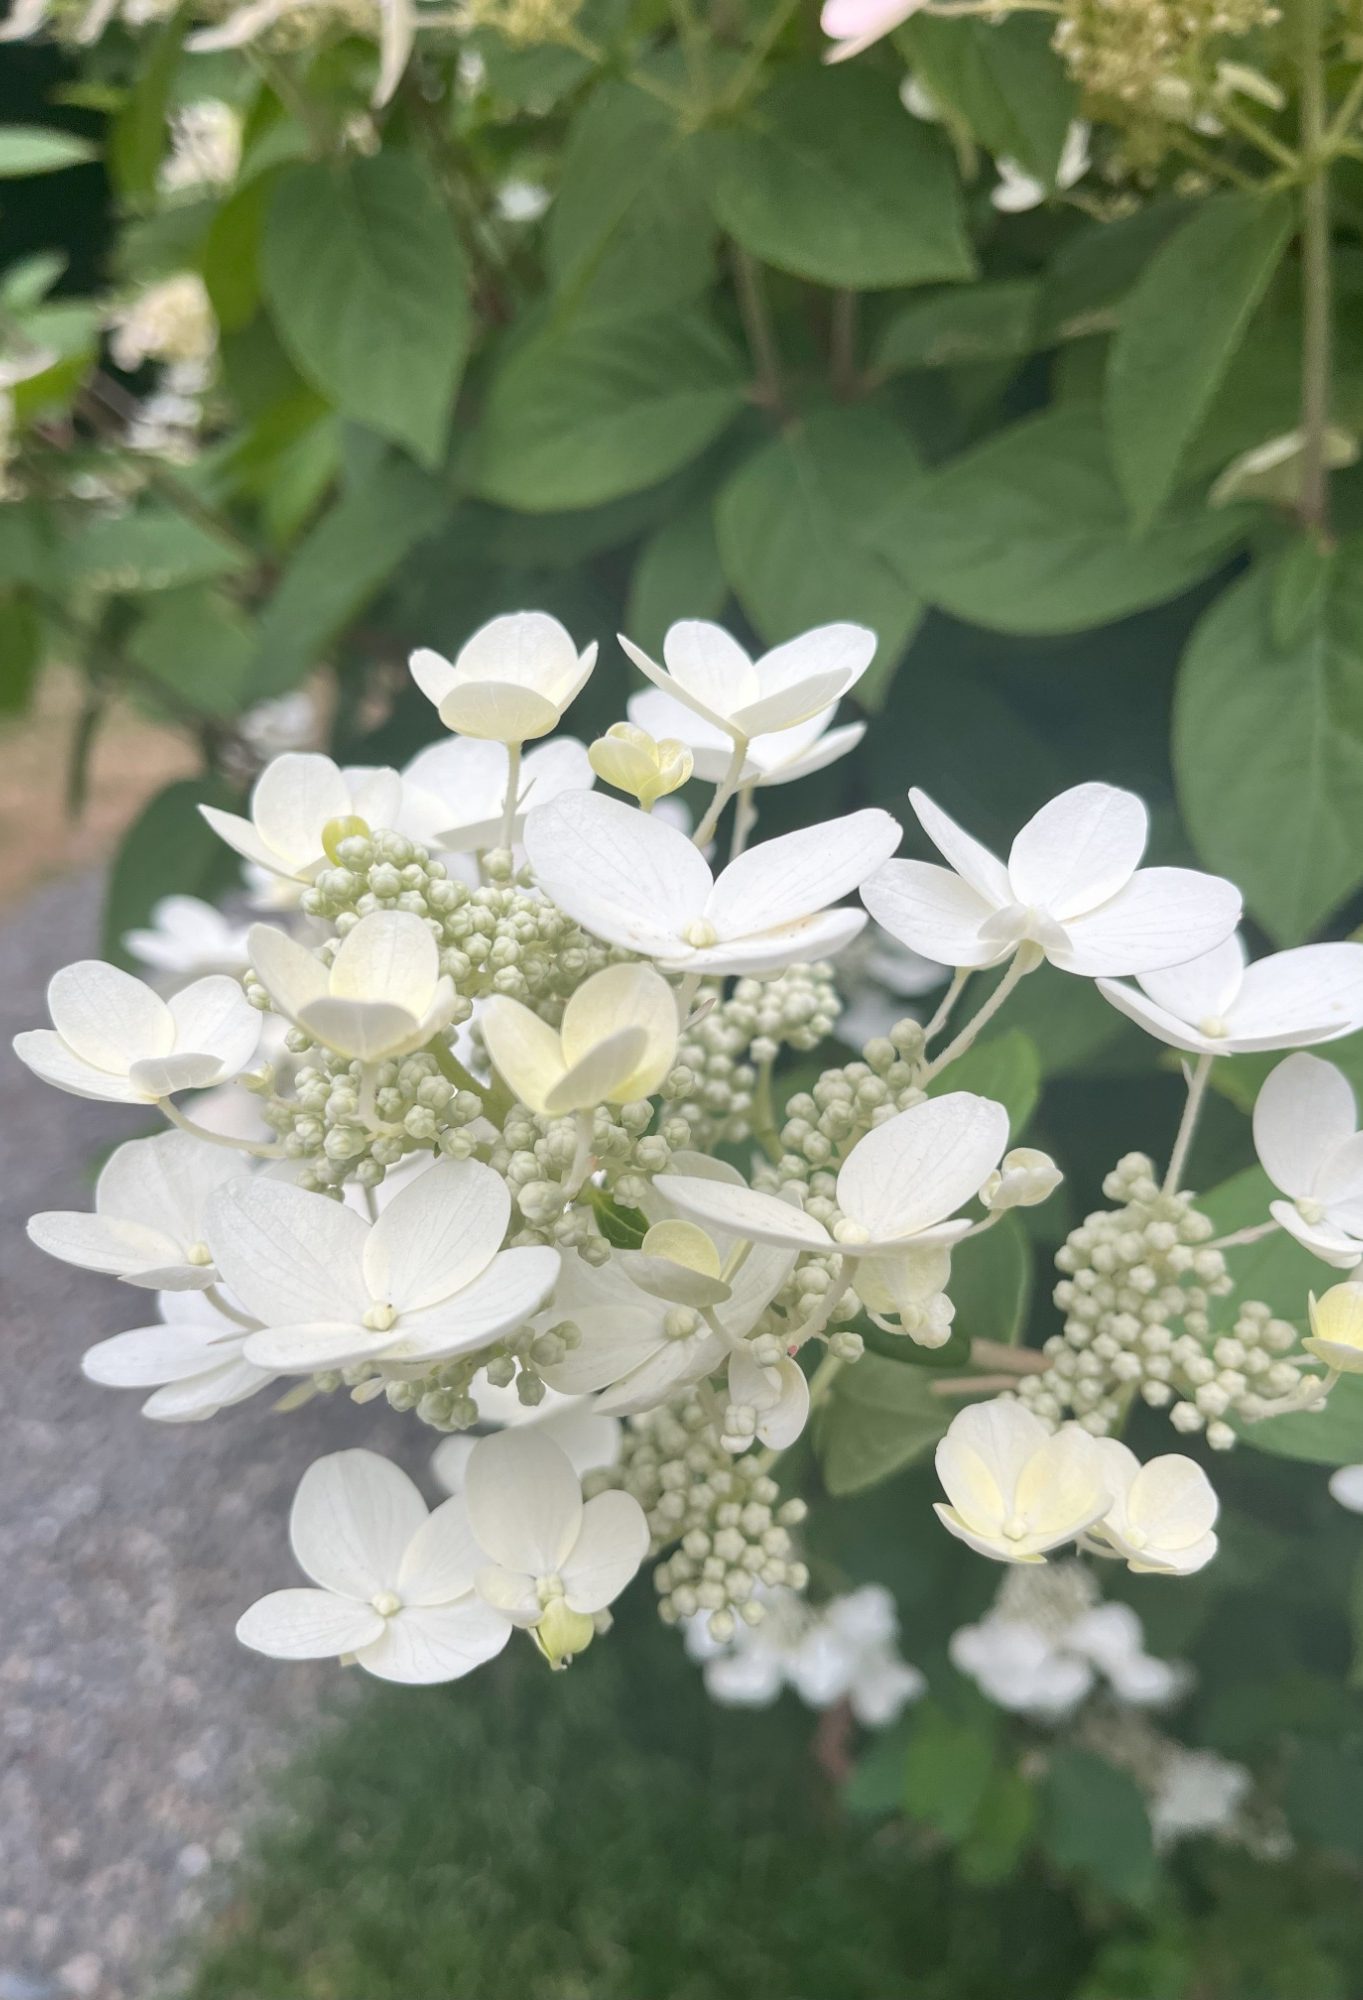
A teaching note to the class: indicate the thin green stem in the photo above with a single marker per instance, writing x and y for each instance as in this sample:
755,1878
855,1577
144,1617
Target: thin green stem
1349,107
256,1148
1239,1237
758,329
842,344
745,819
1313,503
509,803
1026,959
948,1001
1187,1124
724,791
1259,136
752,64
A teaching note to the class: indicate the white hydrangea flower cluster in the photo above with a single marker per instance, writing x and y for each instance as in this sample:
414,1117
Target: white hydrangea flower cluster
467,1136
846,1650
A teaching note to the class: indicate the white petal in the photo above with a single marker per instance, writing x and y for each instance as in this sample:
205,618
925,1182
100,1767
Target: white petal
606,1072
1333,1246
101,1243
292,975
442,1558
353,1517
709,667
841,651
162,1076
166,1182
509,1292
510,1593
524,1501
1346,1486
744,1212
389,956
769,952
1173,1503
624,996
241,836
1205,988
621,873
432,673
426,1645
1162,917
308,1625
800,873
106,1017
437,1234
468,777
664,717
366,1029
375,793
527,649
824,748
921,1165
975,865
150,1355
213,1017
304,1348
1166,1027
289,1256
1339,1183
1305,1111
44,1052
1079,850
1311,994
294,797
934,912
611,1544
983,1456
526,1051
788,707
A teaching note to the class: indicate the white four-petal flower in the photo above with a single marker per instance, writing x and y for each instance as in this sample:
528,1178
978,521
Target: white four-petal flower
709,672
382,995
193,1361
617,1042
1073,888
1015,1489
510,682
1162,1515
148,1224
187,938
772,759
427,1281
1218,1005
296,798
113,1038
627,877
454,793
394,1584
1306,1136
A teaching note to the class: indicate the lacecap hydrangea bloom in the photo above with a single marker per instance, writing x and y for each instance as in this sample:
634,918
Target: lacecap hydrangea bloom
486,1120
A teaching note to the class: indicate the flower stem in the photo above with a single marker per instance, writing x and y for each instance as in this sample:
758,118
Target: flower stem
1187,1125
513,780
724,791
745,819
255,1147
1026,959
1313,504
1243,1236
948,1001
757,325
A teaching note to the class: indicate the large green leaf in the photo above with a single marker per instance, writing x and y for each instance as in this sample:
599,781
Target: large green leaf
1167,362
168,850
991,1283
1268,736
365,278
1029,533
137,139
198,645
630,229
879,1418
831,181
1006,1067
1003,81
1095,1825
792,527
962,325
580,417
157,548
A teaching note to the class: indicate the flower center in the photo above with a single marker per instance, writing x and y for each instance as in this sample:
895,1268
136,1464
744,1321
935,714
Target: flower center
380,1317
198,1253
1135,1538
1014,1528
1214,1027
701,934
1310,1210
386,1602
548,1588
849,1232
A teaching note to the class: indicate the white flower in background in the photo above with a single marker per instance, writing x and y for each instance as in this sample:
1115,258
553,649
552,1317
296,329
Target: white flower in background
522,201
113,1038
588,1435
194,1362
1346,1486
1024,1179
171,321
427,1281
554,1560
300,802
708,672
394,1582
1195,1792
1163,1513
647,767
854,25
188,937
382,995
454,793
1336,1336
1017,1490
1218,1004
1073,889
205,147
396,22
288,722
1018,190
1306,1136
898,1189
1046,1640
1019,1668
148,1223
918,100
617,1042
845,1650
773,758
510,682
630,879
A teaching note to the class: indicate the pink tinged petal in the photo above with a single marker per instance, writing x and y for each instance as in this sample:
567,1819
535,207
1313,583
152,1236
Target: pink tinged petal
290,1257
799,873
1157,1021
1304,1112
619,872
921,1165
106,1017
744,1212
308,1625
1079,850
438,1233
353,1517
442,1558
934,912
611,1544
213,1017
975,865
1204,989
856,24
423,1646
509,1292
524,1501
1310,994
44,1052
770,952
294,797
1162,917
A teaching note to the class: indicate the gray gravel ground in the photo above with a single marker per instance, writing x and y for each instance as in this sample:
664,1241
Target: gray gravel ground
134,1731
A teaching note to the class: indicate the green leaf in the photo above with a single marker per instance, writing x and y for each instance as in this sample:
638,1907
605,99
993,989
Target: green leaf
1002,1831
168,850
678,574
340,566
200,646
23,643
1356,1621
576,418
948,1768
231,254
137,139
156,549
792,526
991,1283
1006,1067
879,1418
37,149
629,230
831,181
993,321
1166,362
1095,1826
1028,533
1001,80
1096,269
623,1228
1268,744
366,281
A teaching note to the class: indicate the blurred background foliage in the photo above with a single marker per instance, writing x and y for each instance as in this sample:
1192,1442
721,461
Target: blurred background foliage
1036,350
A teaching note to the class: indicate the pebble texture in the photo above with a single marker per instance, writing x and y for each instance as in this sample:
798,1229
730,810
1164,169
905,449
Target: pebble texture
135,1732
